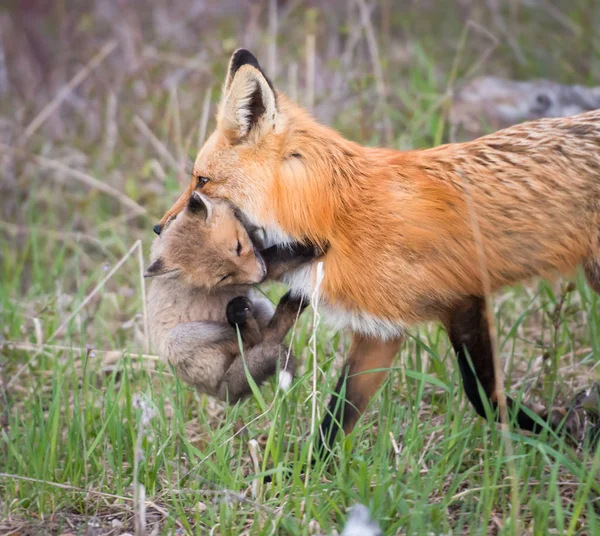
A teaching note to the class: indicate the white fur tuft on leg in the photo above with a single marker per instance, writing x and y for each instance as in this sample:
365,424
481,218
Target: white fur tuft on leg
285,380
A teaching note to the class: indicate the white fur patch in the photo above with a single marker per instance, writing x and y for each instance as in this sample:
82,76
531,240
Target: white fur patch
360,523
275,236
285,380
302,282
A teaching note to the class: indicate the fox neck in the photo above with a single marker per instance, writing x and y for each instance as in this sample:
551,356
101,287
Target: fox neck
323,190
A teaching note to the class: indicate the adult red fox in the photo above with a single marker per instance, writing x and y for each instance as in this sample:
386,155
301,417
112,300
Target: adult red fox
406,229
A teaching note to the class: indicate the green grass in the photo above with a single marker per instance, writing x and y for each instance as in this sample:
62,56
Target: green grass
420,458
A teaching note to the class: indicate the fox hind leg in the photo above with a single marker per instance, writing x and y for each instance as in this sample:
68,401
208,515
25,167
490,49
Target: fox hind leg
591,267
469,334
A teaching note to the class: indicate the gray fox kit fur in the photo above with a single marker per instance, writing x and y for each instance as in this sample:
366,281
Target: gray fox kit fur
203,265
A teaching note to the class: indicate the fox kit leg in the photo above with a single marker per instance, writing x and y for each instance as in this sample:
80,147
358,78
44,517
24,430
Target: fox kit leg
240,315
281,259
200,353
262,359
287,312
469,334
360,385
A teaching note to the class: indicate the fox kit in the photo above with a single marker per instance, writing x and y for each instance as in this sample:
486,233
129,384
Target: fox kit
203,266
407,230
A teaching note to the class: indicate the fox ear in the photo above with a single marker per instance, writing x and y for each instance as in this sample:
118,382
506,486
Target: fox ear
239,58
156,268
249,101
200,205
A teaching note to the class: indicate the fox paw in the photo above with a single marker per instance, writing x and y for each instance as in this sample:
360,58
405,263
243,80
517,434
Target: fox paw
239,311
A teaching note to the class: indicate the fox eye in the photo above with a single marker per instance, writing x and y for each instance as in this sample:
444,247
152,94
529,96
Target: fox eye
238,249
202,181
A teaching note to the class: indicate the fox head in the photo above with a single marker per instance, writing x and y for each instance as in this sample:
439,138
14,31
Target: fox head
206,246
263,142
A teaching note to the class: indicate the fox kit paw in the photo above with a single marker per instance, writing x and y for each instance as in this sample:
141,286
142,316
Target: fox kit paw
307,251
291,302
239,311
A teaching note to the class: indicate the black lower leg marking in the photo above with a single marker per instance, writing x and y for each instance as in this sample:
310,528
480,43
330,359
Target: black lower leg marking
470,337
335,416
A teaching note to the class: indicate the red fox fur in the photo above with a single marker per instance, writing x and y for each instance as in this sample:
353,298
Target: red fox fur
403,228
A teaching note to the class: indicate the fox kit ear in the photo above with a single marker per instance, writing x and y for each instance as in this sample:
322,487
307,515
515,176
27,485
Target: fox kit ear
200,205
156,268
256,233
249,102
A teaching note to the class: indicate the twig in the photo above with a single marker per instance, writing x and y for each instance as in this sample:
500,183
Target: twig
139,491
108,354
376,63
204,118
53,105
14,230
485,54
192,64
310,71
313,349
68,487
174,101
503,27
4,85
293,81
499,387
80,176
111,129
272,50
144,304
159,147
256,483
99,286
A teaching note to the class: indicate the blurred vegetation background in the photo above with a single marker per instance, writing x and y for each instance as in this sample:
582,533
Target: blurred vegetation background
103,106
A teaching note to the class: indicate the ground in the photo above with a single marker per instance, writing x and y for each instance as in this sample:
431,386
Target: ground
102,108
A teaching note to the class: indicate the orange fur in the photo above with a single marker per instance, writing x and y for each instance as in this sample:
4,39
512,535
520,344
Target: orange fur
401,243
398,224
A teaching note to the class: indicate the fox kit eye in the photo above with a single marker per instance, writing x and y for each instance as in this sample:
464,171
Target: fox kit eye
202,181
238,249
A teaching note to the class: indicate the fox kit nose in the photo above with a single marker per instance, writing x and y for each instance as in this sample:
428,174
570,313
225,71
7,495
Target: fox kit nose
157,228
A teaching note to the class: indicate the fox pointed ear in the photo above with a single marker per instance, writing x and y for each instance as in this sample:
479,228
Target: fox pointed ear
240,57
200,205
249,101
156,268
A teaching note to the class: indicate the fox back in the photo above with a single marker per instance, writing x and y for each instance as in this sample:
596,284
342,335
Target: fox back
406,230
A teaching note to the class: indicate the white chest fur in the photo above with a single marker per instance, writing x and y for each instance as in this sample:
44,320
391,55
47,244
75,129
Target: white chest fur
302,282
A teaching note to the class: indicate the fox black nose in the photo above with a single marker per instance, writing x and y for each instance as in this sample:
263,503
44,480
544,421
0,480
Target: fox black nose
157,228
